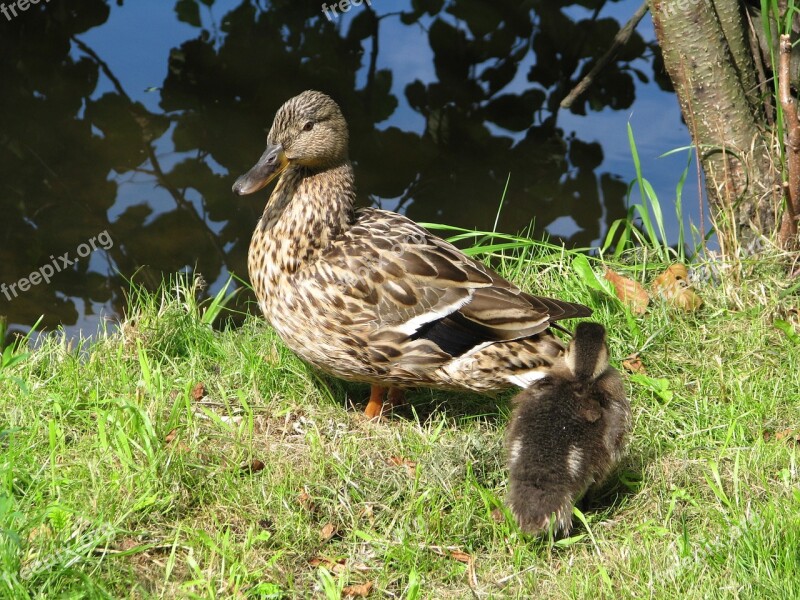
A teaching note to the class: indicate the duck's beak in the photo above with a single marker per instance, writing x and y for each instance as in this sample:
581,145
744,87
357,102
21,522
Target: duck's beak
269,166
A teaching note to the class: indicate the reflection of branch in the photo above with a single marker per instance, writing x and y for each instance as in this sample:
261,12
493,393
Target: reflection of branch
622,37
158,172
408,194
103,67
391,14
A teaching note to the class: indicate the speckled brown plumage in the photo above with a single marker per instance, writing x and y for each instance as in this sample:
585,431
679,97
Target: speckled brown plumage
567,432
371,296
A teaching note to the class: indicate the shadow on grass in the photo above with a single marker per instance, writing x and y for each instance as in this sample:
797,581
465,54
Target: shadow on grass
424,404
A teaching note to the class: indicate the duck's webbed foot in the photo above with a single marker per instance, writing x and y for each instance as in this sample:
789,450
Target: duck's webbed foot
376,405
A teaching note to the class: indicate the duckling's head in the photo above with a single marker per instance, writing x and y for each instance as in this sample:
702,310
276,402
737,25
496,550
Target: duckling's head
587,354
309,130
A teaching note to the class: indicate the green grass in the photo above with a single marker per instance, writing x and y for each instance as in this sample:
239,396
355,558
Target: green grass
117,481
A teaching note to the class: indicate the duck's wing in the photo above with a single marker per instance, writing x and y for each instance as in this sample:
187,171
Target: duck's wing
393,276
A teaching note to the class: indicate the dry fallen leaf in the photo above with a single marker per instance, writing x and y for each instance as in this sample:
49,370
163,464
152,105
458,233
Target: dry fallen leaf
306,502
327,532
790,435
673,286
199,392
358,591
461,556
127,543
254,466
171,437
630,292
334,566
634,364
498,516
399,461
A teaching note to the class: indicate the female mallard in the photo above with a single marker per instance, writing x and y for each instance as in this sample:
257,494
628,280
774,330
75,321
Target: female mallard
369,295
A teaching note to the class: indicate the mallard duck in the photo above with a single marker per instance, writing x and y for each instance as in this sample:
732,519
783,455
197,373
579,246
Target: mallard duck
567,432
368,295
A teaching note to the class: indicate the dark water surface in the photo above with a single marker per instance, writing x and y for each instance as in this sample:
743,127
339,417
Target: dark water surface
123,125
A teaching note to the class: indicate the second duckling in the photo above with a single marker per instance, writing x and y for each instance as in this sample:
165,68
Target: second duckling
567,432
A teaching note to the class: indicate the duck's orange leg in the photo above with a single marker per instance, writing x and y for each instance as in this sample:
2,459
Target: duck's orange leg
396,397
375,404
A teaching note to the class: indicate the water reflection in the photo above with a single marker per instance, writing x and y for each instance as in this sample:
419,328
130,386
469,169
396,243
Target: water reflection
135,118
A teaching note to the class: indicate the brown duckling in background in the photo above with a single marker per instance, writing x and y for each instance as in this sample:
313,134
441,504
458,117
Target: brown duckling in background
567,432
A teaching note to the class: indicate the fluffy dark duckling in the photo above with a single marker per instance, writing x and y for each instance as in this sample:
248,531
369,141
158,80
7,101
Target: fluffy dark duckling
567,432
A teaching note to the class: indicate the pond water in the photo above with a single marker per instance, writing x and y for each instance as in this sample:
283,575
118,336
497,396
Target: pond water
124,124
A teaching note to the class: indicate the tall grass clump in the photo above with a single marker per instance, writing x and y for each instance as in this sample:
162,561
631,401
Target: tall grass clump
643,228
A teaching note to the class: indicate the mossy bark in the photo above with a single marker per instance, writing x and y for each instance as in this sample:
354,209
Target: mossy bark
711,67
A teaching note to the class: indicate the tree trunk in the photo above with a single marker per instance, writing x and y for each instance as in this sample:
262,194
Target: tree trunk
711,67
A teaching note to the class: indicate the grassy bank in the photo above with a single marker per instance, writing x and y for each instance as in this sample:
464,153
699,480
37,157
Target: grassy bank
166,459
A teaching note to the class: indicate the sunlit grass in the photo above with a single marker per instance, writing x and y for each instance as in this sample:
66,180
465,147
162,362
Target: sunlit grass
121,477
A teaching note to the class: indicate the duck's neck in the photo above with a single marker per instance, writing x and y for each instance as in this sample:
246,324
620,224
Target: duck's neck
305,213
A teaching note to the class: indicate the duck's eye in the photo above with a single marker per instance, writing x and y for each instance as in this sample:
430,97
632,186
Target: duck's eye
308,126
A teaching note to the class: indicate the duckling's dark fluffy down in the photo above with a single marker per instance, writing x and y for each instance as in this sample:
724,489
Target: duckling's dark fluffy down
566,433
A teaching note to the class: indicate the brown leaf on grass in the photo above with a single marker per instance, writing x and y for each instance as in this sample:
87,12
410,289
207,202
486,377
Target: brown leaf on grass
199,392
128,543
634,364
789,435
306,502
399,461
630,292
327,532
498,516
334,566
673,286
461,556
358,591
171,436
449,551
254,466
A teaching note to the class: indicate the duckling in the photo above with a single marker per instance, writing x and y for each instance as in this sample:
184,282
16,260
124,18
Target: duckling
567,432
368,295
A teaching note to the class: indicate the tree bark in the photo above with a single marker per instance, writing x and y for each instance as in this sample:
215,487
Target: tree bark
710,65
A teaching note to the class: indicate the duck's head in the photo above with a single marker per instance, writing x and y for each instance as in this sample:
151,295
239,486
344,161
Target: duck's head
308,131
